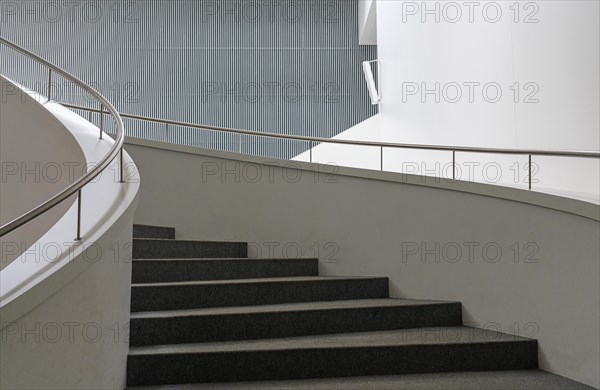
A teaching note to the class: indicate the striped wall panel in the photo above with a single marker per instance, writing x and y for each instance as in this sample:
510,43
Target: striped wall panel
282,66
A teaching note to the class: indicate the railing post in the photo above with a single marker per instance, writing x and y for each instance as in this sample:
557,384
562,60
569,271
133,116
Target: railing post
166,132
530,172
78,238
49,84
454,165
239,143
101,119
121,180
381,159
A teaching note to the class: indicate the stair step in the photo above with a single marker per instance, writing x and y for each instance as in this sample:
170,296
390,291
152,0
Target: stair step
406,351
180,270
149,231
252,292
156,248
465,380
289,320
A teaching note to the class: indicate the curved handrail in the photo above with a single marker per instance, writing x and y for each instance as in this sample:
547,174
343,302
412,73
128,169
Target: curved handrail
381,145
118,145
534,152
117,149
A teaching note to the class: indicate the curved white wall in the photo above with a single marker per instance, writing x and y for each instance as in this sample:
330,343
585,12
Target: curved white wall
64,304
544,284
36,150
78,337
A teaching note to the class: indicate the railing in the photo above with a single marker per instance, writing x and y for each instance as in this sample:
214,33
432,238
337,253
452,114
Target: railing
107,108
76,186
381,145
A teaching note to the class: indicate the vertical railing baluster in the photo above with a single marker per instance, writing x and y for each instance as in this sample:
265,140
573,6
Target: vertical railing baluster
454,165
530,172
121,180
78,238
49,84
101,119
381,159
310,148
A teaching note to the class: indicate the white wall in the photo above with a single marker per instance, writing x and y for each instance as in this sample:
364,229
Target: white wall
559,54
64,304
367,22
360,222
79,337
36,150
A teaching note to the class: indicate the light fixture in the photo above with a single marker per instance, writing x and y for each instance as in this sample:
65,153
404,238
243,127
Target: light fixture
373,92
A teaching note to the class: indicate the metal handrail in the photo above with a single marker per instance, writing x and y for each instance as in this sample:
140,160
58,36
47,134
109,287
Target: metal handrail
116,149
381,145
535,152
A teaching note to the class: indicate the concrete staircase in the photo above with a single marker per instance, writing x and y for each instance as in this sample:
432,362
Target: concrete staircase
202,312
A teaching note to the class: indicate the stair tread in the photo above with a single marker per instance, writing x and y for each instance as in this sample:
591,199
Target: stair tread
286,279
287,307
395,338
465,380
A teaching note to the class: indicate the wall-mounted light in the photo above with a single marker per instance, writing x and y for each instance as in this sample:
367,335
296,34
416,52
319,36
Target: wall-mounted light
371,85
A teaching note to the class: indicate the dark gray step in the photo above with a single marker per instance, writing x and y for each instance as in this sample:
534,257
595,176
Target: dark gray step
148,231
153,248
423,350
289,320
465,380
180,270
252,292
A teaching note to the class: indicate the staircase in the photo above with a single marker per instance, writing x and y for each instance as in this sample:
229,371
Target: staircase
204,312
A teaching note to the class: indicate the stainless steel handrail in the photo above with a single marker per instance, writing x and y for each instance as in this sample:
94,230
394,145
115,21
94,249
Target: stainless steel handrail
381,145
537,152
116,149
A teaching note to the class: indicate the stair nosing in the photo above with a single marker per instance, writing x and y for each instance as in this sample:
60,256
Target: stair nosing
284,279
153,226
291,307
186,240
136,349
245,259
307,343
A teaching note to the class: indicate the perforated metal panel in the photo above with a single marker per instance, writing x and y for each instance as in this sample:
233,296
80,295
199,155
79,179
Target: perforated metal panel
291,67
